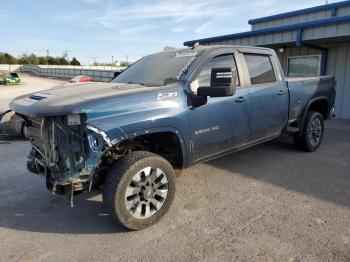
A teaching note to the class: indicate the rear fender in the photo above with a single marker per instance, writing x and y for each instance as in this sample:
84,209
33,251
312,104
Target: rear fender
304,115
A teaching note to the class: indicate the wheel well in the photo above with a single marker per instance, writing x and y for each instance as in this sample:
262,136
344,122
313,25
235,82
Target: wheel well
165,144
320,106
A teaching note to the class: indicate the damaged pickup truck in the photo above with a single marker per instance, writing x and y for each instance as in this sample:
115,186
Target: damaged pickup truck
166,112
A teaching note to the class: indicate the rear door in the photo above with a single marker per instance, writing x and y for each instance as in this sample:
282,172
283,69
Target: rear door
269,101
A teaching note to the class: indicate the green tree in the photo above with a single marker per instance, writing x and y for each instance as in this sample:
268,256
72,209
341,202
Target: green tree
6,58
51,60
42,60
75,62
23,59
33,59
125,63
62,61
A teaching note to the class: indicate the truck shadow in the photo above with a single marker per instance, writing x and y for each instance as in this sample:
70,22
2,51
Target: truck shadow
6,139
52,214
324,174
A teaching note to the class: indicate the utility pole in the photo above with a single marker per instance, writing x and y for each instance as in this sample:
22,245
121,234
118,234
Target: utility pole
112,59
65,54
47,56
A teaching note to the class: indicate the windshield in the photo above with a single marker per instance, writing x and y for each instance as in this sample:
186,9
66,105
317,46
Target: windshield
159,69
13,75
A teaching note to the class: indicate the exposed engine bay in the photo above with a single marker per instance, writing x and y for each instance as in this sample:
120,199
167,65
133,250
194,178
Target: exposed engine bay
75,156
67,151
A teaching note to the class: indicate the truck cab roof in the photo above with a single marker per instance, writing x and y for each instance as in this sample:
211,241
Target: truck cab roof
249,49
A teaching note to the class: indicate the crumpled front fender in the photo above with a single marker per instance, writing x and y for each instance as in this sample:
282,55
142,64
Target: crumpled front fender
117,135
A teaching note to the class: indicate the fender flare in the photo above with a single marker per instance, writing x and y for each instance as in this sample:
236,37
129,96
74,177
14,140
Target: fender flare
303,119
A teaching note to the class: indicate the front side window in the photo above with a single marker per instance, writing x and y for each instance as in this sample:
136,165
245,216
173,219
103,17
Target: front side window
221,61
260,69
304,66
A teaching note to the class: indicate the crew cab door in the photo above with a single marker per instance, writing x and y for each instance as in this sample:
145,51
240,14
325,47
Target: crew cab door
223,122
269,97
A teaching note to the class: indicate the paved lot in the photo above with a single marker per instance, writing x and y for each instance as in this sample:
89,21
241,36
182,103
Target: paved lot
29,84
268,203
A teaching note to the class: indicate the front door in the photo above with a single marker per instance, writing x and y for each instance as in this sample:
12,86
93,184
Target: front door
222,123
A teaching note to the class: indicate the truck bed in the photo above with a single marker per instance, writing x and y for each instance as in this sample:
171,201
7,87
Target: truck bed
304,90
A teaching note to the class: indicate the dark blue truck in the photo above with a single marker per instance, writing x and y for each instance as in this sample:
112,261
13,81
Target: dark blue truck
164,113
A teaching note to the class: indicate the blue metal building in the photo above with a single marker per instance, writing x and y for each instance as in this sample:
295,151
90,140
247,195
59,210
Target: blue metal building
309,42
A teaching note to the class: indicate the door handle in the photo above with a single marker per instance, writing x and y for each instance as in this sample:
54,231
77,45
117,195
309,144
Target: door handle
281,92
241,99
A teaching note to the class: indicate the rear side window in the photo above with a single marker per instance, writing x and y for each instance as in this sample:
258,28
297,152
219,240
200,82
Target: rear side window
260,69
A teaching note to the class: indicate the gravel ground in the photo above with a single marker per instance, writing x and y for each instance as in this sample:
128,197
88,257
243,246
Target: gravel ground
267,203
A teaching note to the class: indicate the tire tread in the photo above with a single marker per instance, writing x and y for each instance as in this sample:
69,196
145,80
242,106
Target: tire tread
301,142
114,177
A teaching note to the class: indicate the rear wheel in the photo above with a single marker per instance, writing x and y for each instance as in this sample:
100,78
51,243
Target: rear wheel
312,135
139,190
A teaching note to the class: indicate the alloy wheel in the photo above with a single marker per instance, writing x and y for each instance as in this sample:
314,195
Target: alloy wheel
146,192
315,131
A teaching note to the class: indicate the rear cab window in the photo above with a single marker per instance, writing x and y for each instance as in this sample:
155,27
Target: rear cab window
260,69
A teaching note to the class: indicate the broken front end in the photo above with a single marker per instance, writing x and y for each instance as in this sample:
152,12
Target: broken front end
71,154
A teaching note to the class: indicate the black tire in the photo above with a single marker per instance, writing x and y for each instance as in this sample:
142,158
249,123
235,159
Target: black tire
25,132
118,180
307,141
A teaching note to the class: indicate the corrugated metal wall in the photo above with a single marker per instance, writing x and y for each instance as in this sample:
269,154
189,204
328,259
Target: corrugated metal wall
342,11
294,20
338,65
321,32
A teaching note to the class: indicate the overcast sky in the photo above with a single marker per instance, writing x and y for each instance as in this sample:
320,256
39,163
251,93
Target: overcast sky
97,29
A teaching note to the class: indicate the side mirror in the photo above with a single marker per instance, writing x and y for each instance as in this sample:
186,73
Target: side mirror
222,83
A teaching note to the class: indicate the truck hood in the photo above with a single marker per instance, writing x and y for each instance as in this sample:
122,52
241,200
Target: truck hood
63,99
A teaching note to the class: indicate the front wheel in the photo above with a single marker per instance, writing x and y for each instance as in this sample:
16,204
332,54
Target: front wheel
312,135
139,189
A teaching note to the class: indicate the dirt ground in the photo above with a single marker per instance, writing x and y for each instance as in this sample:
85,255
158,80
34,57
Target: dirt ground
267,203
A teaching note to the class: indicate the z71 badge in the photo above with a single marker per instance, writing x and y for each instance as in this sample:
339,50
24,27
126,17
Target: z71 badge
162,96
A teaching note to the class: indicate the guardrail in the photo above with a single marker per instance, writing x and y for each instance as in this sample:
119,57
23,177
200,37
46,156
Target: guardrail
98,73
